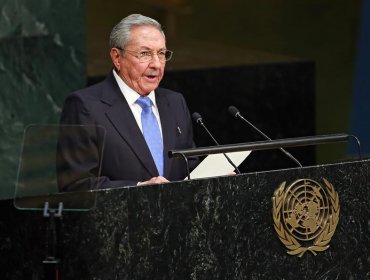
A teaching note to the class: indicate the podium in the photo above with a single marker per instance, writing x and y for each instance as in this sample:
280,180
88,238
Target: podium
214,228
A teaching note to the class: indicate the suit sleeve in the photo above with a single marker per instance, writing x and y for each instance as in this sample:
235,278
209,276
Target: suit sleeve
80,150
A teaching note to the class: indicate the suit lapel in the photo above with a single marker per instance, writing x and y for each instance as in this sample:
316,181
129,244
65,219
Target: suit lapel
122,119
168,128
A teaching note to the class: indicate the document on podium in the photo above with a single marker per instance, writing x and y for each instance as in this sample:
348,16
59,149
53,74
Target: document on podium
218,165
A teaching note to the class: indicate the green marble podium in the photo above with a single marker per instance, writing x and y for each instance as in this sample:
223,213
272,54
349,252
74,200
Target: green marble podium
215,228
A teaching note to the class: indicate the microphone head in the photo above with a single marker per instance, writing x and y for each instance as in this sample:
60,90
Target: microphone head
233,111
196,117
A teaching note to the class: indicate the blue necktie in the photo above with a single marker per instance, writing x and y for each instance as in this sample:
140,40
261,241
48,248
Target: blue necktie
151,131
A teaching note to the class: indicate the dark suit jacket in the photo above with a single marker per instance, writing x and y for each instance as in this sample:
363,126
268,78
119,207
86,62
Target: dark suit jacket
125,157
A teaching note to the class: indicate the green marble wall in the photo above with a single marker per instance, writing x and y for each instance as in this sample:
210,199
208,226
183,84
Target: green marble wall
42,59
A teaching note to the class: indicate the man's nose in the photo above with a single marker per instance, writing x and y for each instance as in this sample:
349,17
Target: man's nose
155,62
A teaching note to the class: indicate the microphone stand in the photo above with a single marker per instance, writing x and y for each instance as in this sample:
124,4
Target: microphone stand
198,119
236,113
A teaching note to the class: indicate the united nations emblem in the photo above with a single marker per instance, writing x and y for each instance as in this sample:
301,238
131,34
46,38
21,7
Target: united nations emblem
305,215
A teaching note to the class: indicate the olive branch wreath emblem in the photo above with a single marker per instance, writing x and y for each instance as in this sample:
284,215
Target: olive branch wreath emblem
321,242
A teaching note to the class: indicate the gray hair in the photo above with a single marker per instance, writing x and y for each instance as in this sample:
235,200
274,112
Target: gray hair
120,35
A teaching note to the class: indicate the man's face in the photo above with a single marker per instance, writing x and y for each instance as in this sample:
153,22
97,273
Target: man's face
143,77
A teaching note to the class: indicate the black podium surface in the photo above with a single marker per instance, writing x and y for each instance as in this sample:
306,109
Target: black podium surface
215,228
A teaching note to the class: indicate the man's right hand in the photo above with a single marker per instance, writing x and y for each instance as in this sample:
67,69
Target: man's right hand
154,180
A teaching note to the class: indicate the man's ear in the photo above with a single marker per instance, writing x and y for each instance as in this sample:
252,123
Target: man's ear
115,55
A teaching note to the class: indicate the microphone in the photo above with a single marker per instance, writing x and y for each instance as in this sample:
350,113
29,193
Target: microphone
198,119
236,113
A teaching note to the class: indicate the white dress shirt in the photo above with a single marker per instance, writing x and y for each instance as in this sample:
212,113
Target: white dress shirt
131,96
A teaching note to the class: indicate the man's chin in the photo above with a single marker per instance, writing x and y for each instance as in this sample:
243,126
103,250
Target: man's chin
149,88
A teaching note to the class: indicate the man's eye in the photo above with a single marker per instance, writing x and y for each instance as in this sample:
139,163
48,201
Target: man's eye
145,54
162,53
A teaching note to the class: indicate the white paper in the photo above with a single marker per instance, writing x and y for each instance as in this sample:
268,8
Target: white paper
218,165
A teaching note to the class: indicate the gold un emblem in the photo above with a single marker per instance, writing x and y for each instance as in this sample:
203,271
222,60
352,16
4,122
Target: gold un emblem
305,215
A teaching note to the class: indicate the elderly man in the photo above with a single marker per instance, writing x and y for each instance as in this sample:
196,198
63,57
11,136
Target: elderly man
141,120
